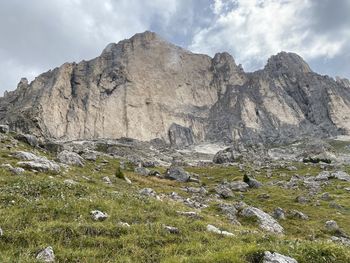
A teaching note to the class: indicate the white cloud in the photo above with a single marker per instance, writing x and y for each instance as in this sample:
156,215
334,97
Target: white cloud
253,30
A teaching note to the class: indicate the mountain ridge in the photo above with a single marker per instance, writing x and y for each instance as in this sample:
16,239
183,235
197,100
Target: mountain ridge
142,86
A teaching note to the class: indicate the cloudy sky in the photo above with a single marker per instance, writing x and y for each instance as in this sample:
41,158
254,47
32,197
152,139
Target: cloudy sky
37,35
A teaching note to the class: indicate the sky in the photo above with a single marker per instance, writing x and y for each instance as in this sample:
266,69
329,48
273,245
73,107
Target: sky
38,35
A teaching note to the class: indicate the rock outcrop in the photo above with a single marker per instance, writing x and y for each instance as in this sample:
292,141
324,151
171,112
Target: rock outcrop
147,88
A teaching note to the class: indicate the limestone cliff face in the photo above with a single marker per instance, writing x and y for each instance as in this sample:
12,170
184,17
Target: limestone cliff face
146,88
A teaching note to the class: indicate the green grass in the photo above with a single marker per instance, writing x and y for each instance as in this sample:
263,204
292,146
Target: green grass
39,210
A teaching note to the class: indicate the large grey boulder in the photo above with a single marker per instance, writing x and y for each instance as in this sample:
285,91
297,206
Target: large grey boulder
46,255
39,163
225,156
70,158
277,258
180,135
266,222
177,174
238,186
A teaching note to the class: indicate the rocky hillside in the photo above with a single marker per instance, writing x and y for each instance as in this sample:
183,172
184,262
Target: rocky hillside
146,88
80,202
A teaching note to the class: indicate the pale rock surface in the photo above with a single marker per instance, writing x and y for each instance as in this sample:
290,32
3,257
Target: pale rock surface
46,255
266,222
277,258
147,88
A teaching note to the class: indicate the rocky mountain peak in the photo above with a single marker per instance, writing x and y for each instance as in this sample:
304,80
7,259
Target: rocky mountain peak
140,40
285,62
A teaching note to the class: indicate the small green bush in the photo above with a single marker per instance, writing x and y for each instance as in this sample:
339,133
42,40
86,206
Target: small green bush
119,174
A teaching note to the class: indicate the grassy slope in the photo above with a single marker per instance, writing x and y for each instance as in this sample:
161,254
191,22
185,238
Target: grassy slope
38,210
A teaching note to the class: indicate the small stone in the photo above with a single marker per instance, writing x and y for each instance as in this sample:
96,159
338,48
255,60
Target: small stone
298,215
264,196
46,255
224,191
279,214
1,232
213,229
302,200
331,225
107,180
70,182
98,215
148,192
123,224
325,197
172,230
188,214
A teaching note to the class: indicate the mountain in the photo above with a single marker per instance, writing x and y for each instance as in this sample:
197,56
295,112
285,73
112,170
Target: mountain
146,88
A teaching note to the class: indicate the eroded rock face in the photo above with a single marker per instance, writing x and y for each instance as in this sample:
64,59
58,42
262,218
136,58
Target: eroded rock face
147,88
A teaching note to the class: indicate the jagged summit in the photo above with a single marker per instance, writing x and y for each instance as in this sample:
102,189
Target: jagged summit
144,86
287,62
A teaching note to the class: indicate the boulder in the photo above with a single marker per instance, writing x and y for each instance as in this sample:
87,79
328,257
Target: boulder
35,162
70,158
27,138
331,225
172,230
277,258
180,135
225,156
177,174
224,191
46,255
297,215
142,171
266,222
238,186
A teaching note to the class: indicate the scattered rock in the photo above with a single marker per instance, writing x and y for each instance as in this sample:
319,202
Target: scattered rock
266,222
177,174
341,240
213,229
340,175
172,230
238,186
277,258
27,138
4,128
70,158
46,255
107,180
123,224
17,170
297,215
70,182
34,162
302,200
264,196
142,171
225,156
325,197
98,215
148,192
231,212
331,225
190,214
224,191
279,214
90,156
1,232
